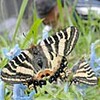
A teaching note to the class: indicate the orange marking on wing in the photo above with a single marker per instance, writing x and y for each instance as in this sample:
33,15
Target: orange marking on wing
44,73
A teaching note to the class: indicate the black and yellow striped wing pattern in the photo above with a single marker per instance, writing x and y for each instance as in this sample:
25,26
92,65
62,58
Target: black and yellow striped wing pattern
57,47
48,58
19,69
83,73
61,43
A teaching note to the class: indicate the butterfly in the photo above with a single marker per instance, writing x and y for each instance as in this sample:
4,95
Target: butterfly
82,73
45,61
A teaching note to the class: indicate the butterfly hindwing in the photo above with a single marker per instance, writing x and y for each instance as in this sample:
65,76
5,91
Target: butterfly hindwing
83,73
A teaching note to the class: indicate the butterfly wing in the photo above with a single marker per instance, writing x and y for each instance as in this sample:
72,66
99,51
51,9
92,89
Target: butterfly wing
62,42
59,45
19,69
83,73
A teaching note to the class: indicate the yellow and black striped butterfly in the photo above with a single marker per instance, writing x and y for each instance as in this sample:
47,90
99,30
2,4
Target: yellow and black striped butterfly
83,73
46,60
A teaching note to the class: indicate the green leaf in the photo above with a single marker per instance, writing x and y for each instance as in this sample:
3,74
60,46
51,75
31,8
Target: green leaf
22,10
32,34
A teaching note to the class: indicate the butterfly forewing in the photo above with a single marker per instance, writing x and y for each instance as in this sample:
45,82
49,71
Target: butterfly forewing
18,69
83,73
62,42
59,45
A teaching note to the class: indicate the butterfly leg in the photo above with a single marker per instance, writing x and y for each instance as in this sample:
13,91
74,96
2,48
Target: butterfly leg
35,88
